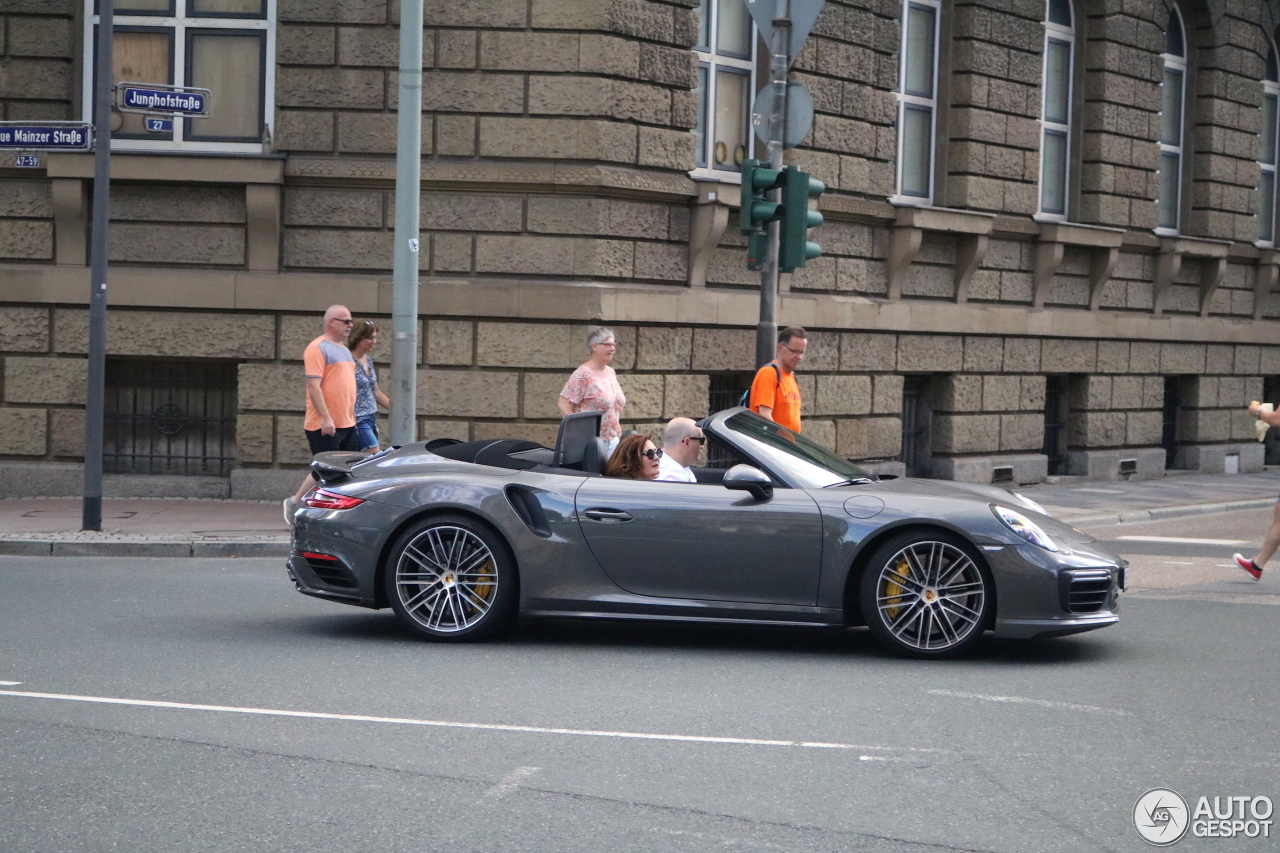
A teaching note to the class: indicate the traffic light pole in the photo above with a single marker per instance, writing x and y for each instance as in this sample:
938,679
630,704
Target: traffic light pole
95,386
767,328
404,283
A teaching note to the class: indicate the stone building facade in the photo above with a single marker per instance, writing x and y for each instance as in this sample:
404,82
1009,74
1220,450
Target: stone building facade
1049,243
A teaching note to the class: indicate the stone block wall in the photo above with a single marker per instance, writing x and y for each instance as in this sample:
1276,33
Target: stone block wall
529,79
491,234
37,55
849,65
1114,411
483,378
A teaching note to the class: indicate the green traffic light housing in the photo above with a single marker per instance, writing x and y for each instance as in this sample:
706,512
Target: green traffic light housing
756,211
795,246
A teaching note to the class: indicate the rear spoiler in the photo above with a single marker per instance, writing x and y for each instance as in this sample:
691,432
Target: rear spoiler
326,473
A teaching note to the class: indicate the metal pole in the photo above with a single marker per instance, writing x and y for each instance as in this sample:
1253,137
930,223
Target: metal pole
404,298
767,328
95,392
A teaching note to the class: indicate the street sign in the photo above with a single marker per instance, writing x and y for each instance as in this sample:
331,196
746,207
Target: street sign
803,15
46,136
799,113
159,125
159,99
27,161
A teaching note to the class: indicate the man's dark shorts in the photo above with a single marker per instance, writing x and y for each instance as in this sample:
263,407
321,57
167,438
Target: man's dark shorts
342,439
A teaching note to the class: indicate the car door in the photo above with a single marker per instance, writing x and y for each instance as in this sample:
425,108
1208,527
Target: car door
686,540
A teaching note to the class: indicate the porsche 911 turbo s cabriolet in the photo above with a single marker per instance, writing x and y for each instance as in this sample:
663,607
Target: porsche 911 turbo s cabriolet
462,538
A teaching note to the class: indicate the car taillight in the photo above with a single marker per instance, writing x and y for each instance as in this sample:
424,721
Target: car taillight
325,499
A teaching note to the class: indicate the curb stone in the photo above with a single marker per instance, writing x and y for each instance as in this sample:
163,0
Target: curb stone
1162,513
81,548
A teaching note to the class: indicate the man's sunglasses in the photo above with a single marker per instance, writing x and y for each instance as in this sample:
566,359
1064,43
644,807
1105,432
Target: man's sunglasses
651,453
701,439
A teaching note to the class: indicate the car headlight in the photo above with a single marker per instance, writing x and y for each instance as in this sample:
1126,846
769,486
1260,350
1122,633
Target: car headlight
1026,500
1025,527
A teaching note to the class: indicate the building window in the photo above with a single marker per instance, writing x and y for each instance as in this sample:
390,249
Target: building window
1055,109
1171,123
917,101
225,46
726,82
1268,157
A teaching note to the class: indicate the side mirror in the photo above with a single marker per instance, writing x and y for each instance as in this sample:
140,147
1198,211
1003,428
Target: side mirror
747,478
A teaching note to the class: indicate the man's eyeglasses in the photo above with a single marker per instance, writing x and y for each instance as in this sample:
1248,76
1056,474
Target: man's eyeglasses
651,453
790,349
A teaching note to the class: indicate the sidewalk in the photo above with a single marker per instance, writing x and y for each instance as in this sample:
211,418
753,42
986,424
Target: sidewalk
144,527
189,527
1096,502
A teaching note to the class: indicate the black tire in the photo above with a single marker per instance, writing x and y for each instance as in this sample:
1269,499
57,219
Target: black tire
451,578
926,594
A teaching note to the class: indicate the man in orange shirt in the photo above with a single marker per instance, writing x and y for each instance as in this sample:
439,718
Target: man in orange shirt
774,392
330,423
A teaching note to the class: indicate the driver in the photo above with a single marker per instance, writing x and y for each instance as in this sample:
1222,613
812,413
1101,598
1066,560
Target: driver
682,443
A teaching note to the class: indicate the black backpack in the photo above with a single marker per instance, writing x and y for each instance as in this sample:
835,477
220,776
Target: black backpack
745,399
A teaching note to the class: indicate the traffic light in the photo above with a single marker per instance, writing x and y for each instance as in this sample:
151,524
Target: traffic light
794,245
755,210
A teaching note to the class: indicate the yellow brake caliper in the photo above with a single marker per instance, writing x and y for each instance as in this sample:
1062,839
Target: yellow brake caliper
892,590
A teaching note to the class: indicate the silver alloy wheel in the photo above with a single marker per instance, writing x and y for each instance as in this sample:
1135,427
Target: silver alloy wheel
930,596
446,579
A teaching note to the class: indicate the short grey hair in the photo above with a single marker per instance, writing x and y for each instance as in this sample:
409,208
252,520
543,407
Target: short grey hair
598,335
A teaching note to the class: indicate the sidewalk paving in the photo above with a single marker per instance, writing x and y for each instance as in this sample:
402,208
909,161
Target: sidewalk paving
188,527
144,527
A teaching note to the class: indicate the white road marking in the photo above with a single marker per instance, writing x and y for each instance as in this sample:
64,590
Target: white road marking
510,782
493,727
1023,700
1100,491
1178,540
10,683
1173,563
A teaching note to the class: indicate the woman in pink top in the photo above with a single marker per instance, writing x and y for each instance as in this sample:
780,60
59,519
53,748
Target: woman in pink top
594,385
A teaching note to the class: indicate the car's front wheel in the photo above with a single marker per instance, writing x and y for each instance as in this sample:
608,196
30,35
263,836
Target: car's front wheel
926,595
451,578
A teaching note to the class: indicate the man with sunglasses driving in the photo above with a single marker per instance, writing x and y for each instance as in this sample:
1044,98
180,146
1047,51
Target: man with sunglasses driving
682,442
774,393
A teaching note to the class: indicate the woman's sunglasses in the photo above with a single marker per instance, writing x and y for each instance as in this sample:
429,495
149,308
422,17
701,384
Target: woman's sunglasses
651,453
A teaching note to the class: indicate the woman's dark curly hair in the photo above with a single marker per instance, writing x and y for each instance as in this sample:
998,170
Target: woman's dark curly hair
627,460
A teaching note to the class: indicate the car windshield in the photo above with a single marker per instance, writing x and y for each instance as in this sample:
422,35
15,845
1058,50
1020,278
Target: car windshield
800,459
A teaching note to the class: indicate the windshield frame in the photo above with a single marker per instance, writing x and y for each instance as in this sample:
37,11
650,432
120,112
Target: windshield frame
816,468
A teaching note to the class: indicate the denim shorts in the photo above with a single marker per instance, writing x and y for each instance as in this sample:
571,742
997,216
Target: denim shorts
367,430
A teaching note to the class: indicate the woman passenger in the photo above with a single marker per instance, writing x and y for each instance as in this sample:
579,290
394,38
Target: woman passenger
635,459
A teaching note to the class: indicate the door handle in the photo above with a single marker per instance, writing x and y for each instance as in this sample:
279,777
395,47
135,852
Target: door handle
607,515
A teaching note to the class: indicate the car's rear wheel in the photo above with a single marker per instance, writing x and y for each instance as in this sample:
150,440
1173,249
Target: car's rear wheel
451,578
926,595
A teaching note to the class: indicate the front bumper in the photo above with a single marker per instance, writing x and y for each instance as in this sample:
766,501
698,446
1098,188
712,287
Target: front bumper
1030,629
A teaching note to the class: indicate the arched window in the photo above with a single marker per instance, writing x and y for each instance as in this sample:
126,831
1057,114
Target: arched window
1268,156
917,100
1055,109
726,63
1171,121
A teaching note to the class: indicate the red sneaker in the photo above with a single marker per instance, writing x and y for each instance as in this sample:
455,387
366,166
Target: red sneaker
1249,566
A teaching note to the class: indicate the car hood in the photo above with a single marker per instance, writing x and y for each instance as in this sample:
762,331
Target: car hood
985,494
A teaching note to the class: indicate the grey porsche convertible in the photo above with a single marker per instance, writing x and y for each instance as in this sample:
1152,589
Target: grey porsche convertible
462,538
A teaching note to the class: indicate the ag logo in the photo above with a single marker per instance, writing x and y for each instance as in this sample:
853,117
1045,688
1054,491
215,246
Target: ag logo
1161,817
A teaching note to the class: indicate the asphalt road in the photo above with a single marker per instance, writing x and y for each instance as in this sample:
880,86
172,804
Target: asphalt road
1041,746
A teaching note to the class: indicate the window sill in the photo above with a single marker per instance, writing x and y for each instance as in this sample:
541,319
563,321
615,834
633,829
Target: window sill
1104,249
972,229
